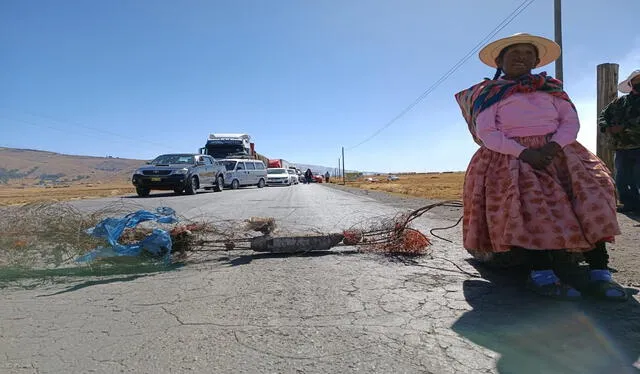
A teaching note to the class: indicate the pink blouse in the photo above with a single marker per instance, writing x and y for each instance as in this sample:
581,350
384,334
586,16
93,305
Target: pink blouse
526,114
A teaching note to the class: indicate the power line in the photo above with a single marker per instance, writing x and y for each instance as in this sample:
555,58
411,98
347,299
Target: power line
133,139
524,5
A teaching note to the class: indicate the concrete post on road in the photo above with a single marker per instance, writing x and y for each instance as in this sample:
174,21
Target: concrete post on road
607,92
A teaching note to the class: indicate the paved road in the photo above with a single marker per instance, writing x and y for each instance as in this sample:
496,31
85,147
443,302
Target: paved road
321,313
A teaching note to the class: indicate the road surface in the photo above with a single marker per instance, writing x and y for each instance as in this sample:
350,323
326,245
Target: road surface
243,312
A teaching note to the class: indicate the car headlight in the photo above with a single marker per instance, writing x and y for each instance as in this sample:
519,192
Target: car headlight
138,171
180,171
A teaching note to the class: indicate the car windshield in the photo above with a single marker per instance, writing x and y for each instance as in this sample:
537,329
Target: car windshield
225,150
276,171
229,165
173,159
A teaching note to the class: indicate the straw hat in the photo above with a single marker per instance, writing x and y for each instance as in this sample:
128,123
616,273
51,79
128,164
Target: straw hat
548,50
625,86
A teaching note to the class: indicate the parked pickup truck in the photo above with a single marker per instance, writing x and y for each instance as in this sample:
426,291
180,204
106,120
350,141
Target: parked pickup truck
180,172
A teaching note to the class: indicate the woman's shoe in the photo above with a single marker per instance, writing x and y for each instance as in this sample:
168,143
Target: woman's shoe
547,283
602,286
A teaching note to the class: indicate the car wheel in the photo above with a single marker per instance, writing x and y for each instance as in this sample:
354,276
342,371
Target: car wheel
235,184
142,191
261,183
177,191
192,187
219,184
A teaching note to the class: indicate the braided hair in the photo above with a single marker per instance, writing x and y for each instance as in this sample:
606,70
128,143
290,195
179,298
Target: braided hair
498,73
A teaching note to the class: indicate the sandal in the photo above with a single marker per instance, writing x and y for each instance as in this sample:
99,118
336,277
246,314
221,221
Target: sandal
546,283
603,287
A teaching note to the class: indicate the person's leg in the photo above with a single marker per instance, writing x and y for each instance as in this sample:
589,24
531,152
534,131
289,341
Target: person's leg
598,258
543,280
539,260
601,281
624,180
634,156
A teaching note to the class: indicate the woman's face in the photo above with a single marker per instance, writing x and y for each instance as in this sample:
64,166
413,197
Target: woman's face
518,60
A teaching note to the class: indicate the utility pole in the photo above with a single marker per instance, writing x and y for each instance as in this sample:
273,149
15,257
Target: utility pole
607,76
338,171
558,36
343,176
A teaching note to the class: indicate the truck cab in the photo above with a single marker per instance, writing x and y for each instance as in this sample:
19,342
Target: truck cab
222,146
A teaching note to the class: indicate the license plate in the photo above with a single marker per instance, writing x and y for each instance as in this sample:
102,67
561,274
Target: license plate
156,179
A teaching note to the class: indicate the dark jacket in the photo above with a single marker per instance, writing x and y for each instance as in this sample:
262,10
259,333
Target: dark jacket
624,111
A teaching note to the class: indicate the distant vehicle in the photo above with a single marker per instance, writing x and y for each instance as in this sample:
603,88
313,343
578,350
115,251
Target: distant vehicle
232,145
293,175
278,177
318,178
222,146
279,163
241,172
392,178
180,172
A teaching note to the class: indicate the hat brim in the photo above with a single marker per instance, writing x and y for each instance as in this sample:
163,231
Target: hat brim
548,50
625,86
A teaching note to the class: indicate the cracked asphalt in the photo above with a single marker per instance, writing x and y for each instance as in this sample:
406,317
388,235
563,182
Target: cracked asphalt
327,312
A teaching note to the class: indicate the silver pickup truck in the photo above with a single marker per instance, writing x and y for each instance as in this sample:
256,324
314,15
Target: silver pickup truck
180,172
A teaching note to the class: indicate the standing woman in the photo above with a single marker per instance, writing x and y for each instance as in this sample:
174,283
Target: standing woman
531,185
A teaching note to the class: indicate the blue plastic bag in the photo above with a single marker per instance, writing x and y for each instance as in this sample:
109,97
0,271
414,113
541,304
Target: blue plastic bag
111,229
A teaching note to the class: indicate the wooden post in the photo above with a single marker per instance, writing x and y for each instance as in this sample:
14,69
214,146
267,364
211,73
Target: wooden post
343,174
607,92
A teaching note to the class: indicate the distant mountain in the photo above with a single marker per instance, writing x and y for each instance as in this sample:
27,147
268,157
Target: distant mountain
30,167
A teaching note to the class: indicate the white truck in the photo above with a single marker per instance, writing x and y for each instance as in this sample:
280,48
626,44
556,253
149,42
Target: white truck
221,146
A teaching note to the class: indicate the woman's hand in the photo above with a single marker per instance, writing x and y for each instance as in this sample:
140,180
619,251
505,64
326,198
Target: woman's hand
534,158
550,150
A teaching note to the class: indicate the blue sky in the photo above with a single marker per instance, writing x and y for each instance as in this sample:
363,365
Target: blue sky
134,79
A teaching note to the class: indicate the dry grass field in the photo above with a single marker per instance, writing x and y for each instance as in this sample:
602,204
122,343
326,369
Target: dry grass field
25,195
445,186
28,176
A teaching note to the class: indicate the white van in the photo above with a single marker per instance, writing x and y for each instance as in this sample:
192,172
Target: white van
244,172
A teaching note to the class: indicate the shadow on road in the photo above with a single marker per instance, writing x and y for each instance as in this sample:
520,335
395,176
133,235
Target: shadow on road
537,335
33,278
247,259
95,283
633,216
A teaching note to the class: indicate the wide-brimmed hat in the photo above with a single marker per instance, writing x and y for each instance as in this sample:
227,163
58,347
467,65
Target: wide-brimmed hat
625,86
548,50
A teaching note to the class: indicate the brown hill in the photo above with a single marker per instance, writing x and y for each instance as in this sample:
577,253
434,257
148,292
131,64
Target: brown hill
27,167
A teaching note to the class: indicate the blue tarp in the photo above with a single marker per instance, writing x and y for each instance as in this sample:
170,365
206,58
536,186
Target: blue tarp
157,243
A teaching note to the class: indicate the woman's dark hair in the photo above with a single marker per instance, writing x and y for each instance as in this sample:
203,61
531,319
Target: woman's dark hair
501,55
